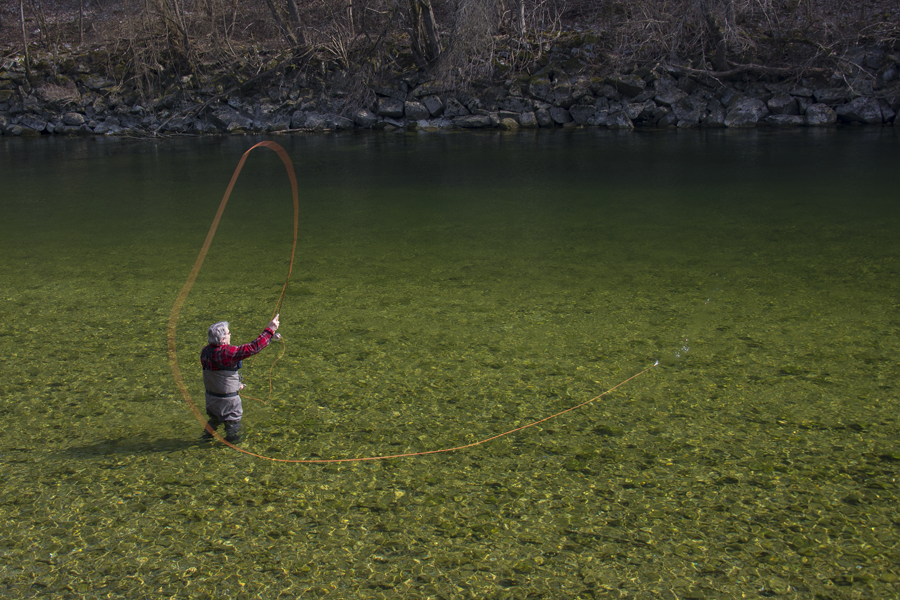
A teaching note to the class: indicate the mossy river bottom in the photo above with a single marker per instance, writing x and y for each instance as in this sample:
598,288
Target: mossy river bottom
449,287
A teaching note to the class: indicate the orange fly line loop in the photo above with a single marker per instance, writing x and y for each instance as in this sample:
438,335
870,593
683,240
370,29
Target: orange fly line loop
185,290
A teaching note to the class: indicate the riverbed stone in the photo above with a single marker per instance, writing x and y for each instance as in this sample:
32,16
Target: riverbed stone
860,110
820,115
746,112
509,124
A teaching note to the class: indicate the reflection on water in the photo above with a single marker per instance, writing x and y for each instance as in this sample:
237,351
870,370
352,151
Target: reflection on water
447,288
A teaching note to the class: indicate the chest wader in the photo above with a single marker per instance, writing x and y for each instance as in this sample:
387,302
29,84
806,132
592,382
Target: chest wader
223,403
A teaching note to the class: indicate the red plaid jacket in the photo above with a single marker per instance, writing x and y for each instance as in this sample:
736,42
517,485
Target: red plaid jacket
228,358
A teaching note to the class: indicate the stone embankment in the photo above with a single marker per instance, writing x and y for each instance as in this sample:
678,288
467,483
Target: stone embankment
86,104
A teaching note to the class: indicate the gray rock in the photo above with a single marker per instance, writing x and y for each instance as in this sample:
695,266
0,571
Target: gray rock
528,120
888,114
364,118
338,122
108,127
687,113
33,122
633,109
629,85
472,121
860,110
644,96
434,105
600,118
204,126
560,115
230,120
830,96
543,117
389,107
509,124
516,105
728,95
608,92
715,117
820,115
392,93
667,94
619,120
785,120
454,108
746,113
415,110
73,118
582,112
783,104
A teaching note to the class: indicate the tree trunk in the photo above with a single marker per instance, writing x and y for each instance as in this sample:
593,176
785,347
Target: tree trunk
720,55
285,30
25,39
294,15
520,16
423,34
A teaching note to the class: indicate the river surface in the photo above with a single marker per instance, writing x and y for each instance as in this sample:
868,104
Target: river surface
448,288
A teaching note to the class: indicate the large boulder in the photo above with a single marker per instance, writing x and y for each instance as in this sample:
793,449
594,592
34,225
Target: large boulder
454,108
746,112
860,110
629,85
389,107
543,117
416,110
473,121
582,112
230,120
783,104
688,113
528,120
434,104
820,115
560,115
364,118
668,93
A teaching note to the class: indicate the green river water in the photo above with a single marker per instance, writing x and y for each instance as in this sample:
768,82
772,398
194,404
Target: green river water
447,288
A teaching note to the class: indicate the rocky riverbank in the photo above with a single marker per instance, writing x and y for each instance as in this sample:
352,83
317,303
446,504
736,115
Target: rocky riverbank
82,102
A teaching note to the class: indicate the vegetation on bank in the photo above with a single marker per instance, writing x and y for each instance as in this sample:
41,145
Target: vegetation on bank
155,47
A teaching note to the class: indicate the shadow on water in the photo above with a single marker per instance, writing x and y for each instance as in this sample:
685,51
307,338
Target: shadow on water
122,446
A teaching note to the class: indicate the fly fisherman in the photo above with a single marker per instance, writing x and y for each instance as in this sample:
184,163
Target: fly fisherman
221,376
